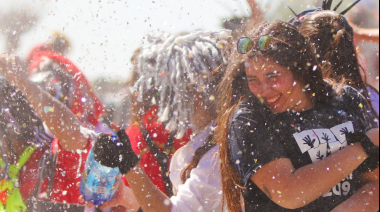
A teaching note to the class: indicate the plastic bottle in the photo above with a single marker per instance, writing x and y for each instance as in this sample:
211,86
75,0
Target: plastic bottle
98,183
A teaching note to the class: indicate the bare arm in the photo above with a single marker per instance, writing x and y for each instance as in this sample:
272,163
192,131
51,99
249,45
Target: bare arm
293,189
59,119
257,14
147,194
369,35
365,199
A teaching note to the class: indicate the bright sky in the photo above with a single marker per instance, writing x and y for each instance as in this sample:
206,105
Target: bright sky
105,33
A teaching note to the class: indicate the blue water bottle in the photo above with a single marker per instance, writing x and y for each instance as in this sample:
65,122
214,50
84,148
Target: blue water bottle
99,183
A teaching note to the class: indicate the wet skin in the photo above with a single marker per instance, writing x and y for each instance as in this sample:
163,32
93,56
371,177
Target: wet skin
276,86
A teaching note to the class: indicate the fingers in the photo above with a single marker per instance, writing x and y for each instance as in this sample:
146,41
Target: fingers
81,198
90,204
115,127
104,206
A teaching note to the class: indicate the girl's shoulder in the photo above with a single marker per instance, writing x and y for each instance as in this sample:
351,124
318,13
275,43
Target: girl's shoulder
349,98
348,93
252,111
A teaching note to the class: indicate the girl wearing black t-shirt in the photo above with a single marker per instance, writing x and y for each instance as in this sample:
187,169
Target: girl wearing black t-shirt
282,130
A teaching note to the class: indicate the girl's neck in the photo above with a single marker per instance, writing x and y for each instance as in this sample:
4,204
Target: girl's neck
304,105
202,120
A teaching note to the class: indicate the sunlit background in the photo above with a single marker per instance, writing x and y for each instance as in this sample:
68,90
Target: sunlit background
104,33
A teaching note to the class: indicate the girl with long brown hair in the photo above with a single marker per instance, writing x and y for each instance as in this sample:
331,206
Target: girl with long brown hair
333,38
286,137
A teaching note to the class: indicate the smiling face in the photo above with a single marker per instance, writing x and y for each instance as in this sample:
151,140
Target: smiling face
276,86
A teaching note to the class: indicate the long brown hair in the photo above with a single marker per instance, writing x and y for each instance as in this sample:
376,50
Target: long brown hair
297,55
332,37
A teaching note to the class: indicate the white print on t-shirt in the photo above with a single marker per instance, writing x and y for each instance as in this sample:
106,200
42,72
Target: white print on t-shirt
321,143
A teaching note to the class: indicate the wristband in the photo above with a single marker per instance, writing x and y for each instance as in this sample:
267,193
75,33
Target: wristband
127,157
372,162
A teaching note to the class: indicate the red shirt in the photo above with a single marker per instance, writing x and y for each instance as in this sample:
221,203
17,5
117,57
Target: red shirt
67,175
160,135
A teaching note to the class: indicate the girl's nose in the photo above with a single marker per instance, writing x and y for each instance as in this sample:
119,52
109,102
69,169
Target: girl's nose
264,89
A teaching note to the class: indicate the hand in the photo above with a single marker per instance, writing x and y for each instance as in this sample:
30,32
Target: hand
115,127
123,197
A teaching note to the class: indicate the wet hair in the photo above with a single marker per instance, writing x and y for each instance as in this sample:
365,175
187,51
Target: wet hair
294,53
332,37
18,121
176,67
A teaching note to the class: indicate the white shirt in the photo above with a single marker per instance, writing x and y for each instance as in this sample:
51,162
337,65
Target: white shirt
202,192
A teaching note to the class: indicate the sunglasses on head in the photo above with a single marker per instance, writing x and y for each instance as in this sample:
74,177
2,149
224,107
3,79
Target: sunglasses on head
298,19
264,43
327,5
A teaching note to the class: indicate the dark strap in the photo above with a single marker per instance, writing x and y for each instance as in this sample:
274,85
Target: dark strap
47,166
140,210
162,157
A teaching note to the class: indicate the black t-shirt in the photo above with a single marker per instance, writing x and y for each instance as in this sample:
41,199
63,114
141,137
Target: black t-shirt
258,136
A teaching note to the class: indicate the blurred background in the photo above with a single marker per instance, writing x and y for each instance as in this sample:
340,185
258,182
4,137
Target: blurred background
104,34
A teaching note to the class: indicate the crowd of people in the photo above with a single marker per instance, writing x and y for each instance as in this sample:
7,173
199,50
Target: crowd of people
259,117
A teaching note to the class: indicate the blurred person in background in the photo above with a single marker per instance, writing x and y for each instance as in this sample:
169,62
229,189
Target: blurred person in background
70,148
178,80
366,16
25,149
333,38
363,34
124,113
154,144
60,77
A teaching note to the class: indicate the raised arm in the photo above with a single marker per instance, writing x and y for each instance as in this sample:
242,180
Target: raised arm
59,119
368,35
257,14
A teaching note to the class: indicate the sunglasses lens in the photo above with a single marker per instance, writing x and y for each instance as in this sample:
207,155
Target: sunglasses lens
244,45
264,42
